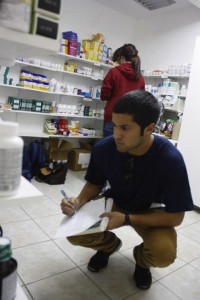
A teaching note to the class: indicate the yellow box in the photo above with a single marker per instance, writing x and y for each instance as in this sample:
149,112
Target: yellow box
99,57
89,55
69,67
86,44
95,46
95,56
101,46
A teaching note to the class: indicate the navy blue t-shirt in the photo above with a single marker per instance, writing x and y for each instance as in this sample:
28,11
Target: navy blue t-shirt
158,176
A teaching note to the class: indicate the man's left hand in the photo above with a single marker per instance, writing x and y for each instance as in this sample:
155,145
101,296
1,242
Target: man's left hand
116,219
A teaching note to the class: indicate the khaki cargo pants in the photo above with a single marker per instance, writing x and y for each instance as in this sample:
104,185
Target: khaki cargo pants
157,250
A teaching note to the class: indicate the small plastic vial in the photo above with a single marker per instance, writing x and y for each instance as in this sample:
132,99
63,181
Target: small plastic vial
8,270
11,152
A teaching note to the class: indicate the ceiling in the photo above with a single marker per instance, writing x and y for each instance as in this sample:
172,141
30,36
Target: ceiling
136,11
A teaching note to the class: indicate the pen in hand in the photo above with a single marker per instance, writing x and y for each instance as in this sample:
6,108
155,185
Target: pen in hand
65,195
68,200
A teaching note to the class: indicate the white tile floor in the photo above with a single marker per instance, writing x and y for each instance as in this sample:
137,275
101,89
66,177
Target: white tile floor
53,269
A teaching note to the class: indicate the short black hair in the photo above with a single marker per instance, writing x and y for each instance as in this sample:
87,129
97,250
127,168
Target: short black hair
141,105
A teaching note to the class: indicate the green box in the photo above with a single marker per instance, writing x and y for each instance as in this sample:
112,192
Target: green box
36,105
15,102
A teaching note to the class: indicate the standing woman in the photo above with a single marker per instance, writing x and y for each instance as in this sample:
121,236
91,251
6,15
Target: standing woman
123,78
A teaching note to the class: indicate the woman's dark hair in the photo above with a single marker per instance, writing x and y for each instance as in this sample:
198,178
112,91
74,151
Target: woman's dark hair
130,53
141,105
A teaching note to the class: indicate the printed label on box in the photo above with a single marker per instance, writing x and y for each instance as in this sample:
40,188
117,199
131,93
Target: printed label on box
84,159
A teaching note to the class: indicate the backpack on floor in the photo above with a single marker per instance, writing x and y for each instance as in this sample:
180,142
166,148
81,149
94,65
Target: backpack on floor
37,156
26,166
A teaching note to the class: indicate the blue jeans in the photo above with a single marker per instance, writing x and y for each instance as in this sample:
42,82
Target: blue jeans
108,129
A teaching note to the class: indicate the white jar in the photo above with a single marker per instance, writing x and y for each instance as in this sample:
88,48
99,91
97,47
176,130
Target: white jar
11,152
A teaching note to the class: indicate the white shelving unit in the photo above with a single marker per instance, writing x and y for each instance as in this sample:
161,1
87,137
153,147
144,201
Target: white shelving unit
31,123
15,44
170,112
85,60
57,70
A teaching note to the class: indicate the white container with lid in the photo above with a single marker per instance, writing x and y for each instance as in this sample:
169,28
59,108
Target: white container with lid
11,152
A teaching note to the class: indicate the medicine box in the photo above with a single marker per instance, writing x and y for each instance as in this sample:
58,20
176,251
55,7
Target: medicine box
44,26
15,103
37,105
50,8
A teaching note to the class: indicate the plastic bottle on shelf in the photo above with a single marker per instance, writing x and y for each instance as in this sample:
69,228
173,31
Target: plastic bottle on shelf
8,270
11,151
183,91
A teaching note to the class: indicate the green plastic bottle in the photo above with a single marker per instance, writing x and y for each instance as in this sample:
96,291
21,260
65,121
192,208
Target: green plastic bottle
8,270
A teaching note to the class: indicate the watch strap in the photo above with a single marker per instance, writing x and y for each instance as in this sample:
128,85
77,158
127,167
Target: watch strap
127,220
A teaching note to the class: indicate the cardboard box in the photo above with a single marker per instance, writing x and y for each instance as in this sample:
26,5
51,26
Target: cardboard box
78,159
57,149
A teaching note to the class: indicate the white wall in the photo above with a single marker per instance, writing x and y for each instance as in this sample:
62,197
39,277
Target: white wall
162,40
87,17
189,138
168,39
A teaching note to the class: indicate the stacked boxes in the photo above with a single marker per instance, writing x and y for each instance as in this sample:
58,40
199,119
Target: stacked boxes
33,80
45,18
70,43
93,49
96,50
29,105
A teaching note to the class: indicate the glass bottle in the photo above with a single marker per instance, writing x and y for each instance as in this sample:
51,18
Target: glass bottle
8,270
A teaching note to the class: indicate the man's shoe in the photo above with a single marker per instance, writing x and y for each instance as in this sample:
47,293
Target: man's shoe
99,261
142,276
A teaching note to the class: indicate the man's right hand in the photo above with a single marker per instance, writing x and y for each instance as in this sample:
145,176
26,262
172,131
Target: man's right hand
69,207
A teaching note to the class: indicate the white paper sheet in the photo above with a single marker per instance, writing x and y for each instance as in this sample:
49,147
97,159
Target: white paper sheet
84,218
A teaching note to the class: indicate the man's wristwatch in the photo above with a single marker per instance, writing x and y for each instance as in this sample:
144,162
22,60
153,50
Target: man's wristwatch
127,220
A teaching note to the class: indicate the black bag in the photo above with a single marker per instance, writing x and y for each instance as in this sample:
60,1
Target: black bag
53,174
